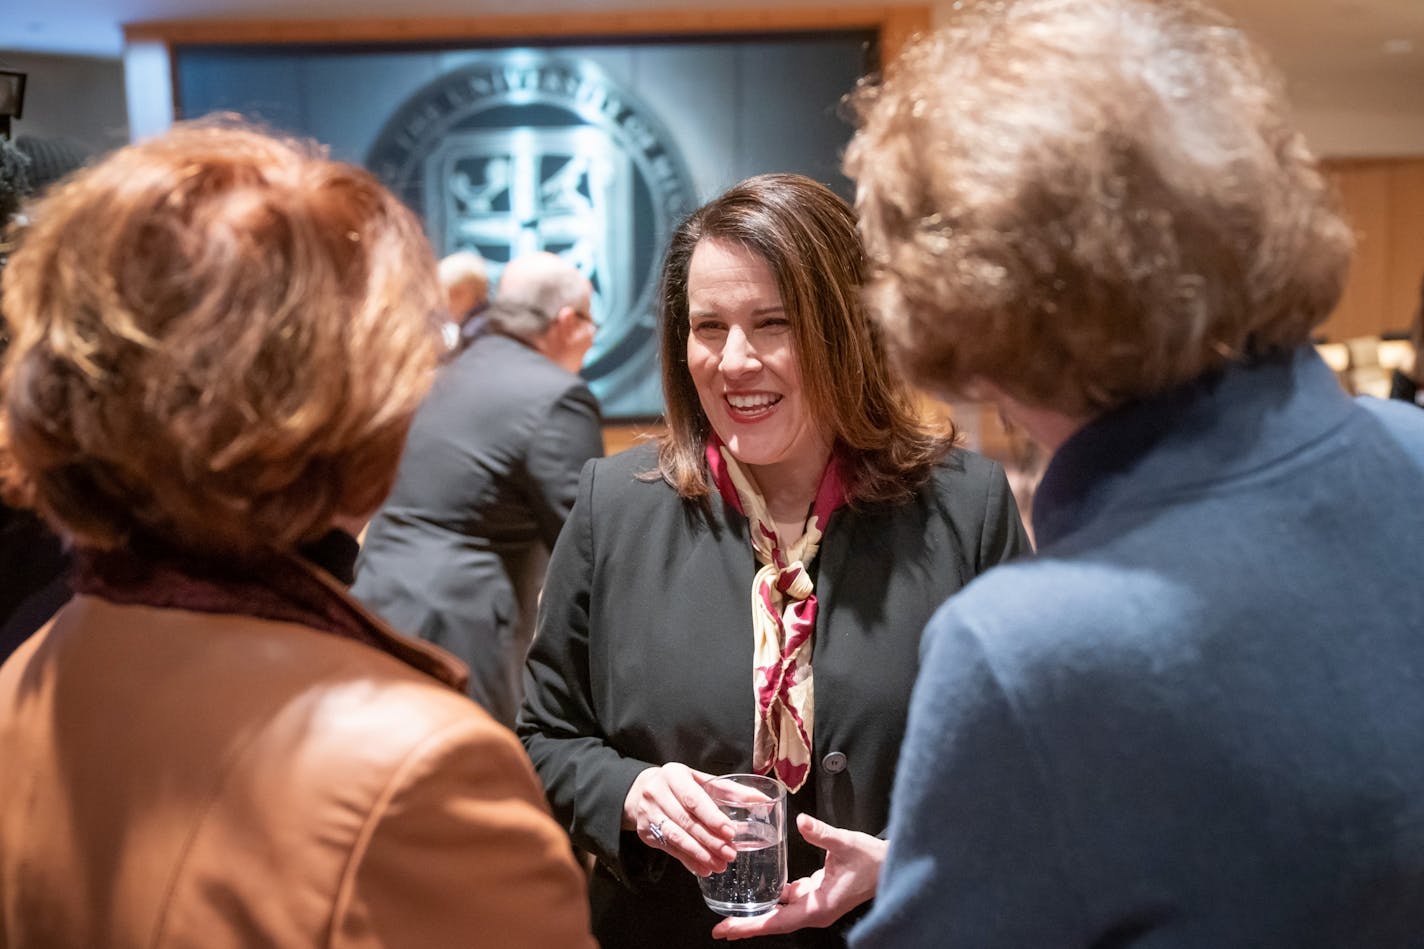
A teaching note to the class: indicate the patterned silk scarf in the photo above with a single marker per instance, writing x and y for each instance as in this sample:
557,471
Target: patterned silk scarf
783,618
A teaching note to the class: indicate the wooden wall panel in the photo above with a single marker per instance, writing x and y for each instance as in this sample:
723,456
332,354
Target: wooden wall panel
1364,191
1384,201
620,435
1406,242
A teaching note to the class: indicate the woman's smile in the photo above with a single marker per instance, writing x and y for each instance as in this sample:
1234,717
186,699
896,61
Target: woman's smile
751,406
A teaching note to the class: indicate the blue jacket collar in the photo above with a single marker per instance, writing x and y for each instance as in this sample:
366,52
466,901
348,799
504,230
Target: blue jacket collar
1228,422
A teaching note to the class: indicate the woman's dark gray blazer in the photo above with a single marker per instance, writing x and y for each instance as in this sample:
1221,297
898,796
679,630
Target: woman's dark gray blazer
643,656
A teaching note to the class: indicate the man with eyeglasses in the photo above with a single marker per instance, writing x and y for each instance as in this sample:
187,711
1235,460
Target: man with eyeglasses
457,554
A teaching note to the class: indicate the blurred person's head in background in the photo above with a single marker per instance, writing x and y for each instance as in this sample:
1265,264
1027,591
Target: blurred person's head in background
1075,205
464,277
218,341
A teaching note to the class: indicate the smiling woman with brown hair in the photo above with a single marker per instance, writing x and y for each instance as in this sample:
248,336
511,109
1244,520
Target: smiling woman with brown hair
748,595
817,270
219,339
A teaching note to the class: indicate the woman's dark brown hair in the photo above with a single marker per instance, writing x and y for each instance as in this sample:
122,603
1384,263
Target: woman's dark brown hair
806,234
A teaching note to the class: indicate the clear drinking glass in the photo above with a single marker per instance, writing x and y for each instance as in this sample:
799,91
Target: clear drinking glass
752,883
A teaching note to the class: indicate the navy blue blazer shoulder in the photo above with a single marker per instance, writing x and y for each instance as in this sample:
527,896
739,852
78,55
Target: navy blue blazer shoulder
1196,718
643,656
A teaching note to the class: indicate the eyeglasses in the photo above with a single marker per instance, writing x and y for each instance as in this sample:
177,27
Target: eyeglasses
587,317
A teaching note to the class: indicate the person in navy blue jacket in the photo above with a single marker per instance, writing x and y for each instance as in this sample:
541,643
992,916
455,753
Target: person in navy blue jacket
1196,717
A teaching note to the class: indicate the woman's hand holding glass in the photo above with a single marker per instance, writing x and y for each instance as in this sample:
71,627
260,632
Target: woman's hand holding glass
670,811
849,878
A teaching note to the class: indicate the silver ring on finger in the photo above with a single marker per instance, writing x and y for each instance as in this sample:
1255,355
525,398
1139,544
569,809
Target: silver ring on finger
656,829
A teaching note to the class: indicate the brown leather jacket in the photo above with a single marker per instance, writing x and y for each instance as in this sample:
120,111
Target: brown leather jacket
172,778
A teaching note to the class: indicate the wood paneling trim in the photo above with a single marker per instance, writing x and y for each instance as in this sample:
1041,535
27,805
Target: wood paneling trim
901,26
619,436
1384,201
896,23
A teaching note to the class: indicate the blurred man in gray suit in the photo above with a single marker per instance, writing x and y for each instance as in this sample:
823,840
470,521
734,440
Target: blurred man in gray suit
457,553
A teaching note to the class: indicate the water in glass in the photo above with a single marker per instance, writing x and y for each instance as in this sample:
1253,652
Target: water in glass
752,883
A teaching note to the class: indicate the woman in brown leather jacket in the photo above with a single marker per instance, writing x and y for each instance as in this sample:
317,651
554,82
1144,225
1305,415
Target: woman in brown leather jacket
219,340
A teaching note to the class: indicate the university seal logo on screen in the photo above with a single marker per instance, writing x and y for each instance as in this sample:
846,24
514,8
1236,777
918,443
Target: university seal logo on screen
522,152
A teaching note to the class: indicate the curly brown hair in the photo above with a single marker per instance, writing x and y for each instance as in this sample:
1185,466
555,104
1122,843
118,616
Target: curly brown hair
219,340
806,234
1083,202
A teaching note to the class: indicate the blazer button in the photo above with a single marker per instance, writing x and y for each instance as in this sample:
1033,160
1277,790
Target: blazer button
834,763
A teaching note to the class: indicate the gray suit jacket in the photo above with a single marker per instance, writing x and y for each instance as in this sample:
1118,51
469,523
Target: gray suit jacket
644,656
457,553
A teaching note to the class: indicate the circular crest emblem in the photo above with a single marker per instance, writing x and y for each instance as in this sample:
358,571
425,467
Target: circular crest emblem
524,151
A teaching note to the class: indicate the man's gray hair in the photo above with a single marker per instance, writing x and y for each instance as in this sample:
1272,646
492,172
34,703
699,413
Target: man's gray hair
532,291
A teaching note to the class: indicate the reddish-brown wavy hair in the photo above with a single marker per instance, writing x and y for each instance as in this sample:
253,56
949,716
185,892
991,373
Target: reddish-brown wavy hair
218,339
1088,201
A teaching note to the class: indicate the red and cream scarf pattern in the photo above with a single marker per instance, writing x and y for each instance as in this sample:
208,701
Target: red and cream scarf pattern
783,618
